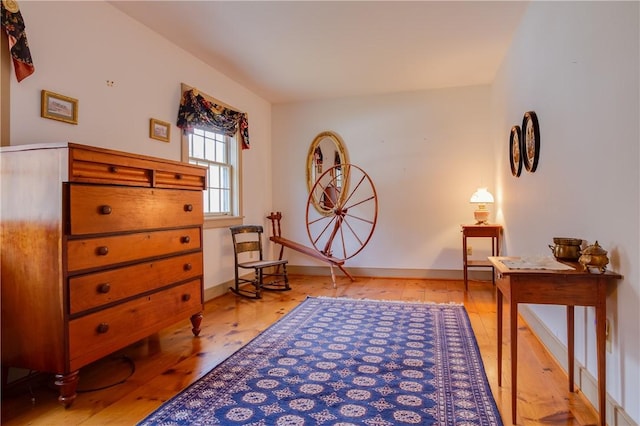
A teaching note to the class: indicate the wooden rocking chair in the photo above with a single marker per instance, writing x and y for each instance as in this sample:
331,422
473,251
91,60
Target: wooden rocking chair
248,239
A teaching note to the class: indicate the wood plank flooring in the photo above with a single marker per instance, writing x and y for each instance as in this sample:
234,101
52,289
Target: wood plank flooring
169,361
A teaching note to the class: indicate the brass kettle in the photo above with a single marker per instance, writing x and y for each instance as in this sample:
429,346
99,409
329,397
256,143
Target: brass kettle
594,256
566,248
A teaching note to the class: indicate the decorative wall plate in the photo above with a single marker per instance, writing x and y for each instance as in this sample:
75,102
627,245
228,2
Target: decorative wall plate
515,154
530,141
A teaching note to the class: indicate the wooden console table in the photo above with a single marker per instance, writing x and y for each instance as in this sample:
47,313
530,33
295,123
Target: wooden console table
479,231
572,288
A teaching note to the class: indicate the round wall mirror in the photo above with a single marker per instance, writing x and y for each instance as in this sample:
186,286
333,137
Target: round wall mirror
326,155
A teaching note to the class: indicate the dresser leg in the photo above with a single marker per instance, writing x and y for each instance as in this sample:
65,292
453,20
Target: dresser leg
196,320
67,385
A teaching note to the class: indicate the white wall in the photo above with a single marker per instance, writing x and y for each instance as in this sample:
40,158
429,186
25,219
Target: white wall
426,153
576,65
78,46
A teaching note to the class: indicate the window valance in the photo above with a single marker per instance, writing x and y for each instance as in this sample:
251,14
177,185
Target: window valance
196,111
12,23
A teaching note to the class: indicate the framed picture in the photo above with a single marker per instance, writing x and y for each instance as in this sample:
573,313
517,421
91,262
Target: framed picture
515,154
530,141
59,107
160,130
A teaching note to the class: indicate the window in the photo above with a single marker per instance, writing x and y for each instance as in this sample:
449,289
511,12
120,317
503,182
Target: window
213,135
219,154
211,149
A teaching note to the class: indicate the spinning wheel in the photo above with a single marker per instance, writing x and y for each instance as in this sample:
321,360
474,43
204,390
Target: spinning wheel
342,211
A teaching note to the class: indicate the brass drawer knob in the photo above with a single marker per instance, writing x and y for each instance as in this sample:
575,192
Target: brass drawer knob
102,250
113,169
188,207
104,288
178,176
186,297
188,267
102,328
105,209
186,239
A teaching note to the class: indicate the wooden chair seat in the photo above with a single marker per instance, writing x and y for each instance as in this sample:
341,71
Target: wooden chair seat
261,264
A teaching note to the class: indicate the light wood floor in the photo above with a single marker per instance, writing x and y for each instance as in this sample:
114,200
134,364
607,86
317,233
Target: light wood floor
168,361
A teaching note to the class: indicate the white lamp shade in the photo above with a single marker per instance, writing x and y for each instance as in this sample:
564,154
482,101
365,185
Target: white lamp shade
481,196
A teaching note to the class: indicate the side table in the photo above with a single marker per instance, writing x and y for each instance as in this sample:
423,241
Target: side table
480,231
574,287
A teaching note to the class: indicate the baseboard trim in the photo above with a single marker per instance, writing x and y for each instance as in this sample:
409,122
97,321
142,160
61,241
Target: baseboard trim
217,290
435,274
584,380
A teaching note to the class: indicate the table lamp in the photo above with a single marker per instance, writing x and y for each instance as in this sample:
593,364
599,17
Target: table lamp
481,198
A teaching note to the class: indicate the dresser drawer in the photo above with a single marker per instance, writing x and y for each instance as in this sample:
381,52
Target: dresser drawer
95,209
88,166
100,288
183,179
89,253
95,165
96,335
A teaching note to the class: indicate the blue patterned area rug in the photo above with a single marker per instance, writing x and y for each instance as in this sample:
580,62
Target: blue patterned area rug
349,362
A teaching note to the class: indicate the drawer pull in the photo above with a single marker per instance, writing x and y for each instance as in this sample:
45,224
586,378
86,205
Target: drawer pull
102,328
102,250
104,288
185,239
178,176
188,267
188,207
186,297
105,209
113,169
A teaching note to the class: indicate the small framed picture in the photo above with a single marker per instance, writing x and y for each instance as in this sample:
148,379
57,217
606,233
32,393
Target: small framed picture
530,141
160,130
515,156
59,107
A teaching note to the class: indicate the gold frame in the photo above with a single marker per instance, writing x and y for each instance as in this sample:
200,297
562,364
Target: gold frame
155,131
66,108
313,174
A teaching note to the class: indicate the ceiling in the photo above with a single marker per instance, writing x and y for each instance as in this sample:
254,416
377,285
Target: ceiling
289,51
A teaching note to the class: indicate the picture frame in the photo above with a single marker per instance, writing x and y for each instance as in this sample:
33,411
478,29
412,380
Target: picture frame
160,130
515,151
58,107
530,141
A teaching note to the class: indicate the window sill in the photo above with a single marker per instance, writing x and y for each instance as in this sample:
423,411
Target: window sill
212,222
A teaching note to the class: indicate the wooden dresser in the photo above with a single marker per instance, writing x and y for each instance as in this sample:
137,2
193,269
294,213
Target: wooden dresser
99,249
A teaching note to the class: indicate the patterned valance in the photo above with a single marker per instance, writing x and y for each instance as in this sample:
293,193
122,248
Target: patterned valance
13,24
196,111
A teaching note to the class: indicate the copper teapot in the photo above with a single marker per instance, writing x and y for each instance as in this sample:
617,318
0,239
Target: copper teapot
594,256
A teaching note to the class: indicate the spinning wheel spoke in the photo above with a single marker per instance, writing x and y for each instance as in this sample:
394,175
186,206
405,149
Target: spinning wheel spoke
355,189
355,234
344,196
357,204
326,227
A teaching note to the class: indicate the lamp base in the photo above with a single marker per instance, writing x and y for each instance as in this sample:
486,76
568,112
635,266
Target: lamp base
481,216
